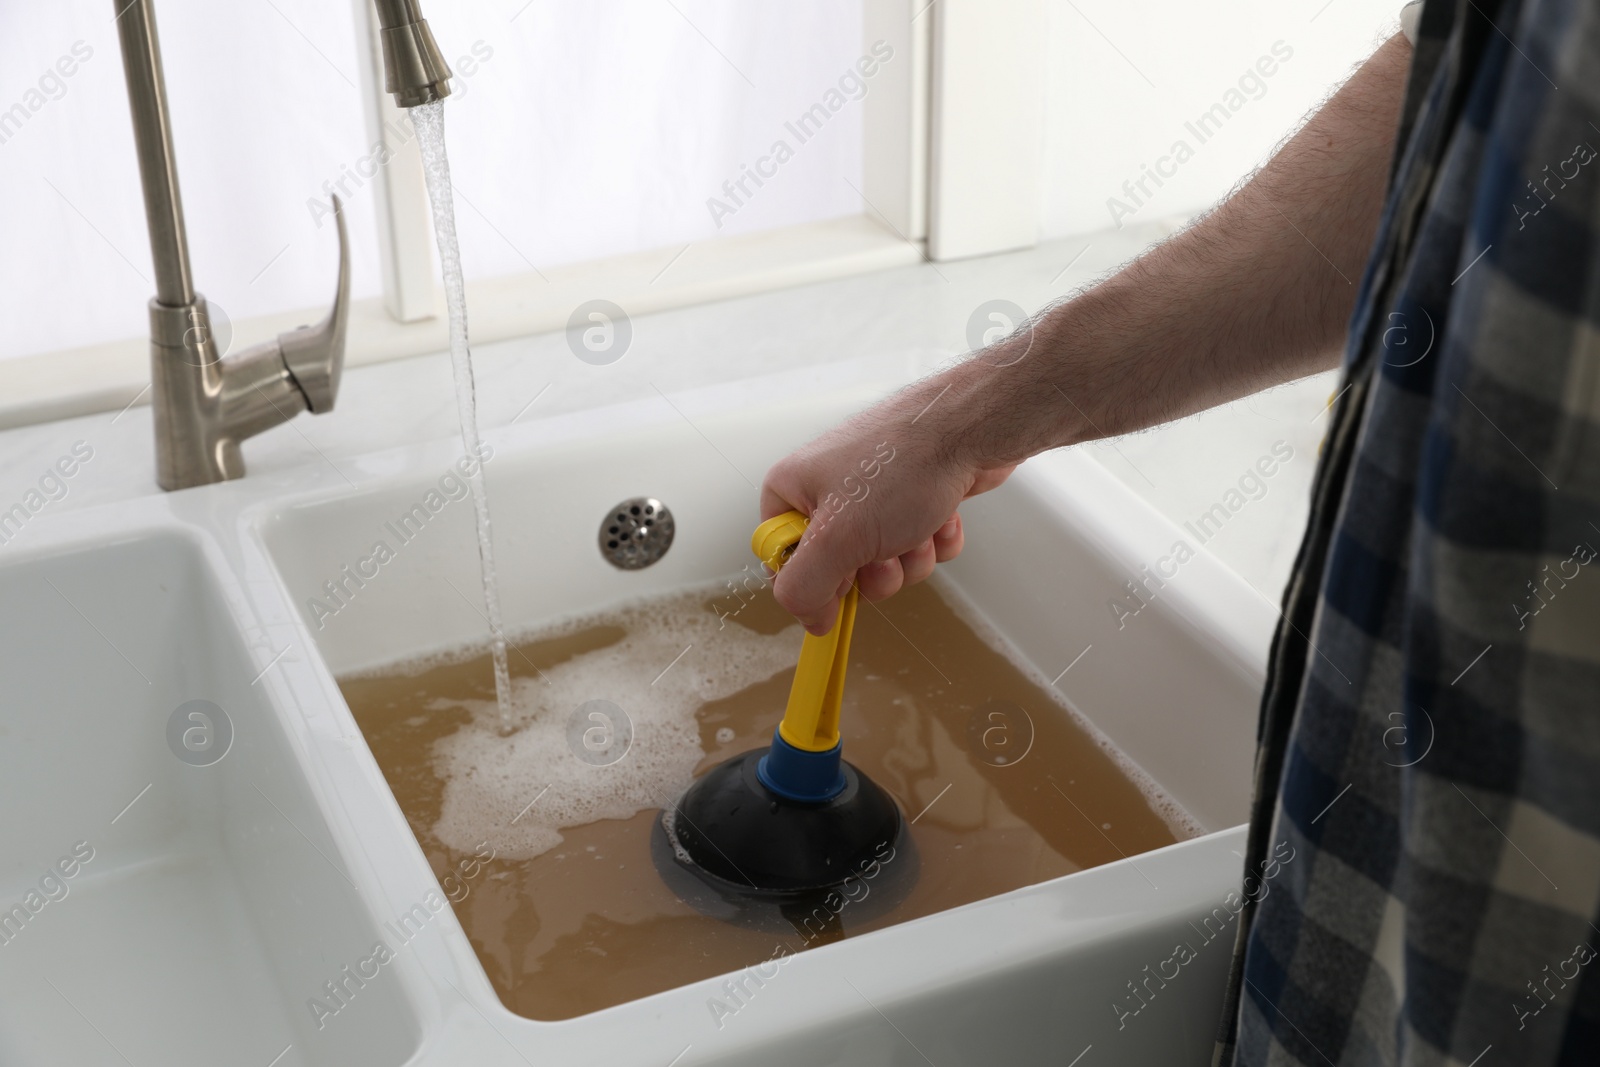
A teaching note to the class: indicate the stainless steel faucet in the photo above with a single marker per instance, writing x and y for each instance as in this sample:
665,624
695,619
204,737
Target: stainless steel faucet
205,403
413,69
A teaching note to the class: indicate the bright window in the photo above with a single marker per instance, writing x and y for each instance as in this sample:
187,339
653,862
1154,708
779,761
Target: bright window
578,132
598,129
594,143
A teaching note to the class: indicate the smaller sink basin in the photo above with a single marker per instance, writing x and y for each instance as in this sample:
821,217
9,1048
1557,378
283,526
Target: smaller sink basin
169,890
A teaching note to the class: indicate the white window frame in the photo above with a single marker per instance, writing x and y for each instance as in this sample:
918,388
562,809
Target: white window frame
933,158
987,130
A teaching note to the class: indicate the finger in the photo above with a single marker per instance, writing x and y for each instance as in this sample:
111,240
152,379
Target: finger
819,623
881,579
816,616
774,503
784,489
917,564
949,539
807,586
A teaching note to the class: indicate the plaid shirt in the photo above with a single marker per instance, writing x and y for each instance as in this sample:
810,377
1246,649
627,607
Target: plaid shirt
1430,732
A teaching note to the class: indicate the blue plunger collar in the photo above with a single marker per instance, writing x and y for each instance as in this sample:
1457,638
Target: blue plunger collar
795,774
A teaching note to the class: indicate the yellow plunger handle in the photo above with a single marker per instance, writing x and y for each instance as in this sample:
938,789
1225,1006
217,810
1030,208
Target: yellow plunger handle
811,720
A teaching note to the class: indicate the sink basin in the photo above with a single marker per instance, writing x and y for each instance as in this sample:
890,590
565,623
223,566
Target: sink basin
170,891
1040,974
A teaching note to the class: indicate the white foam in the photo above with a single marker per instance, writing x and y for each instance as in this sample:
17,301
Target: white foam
673,659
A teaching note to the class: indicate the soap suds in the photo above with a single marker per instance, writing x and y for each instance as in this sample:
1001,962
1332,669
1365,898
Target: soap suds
672,660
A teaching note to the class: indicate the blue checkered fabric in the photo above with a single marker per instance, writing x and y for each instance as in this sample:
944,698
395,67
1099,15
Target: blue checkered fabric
1430,733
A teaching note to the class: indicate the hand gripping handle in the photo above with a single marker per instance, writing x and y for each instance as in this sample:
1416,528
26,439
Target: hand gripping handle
811,720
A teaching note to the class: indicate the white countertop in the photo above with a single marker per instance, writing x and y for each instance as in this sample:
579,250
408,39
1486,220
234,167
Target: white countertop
897,324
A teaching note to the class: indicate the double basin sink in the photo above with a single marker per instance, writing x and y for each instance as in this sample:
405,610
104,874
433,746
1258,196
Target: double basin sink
198,849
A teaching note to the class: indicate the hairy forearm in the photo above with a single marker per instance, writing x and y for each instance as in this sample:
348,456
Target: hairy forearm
1255,294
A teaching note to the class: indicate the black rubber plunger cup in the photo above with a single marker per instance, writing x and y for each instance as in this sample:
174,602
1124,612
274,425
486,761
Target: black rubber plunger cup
792,820
761,831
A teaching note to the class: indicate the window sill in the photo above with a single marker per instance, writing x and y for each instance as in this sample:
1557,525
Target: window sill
115,375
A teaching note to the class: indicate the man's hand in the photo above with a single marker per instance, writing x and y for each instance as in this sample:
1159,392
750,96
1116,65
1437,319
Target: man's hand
881,491
1253,295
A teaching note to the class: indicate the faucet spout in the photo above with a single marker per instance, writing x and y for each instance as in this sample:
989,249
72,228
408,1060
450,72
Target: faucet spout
414,70
158,170
205,403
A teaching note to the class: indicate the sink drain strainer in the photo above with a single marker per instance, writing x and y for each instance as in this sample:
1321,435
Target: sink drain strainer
636,533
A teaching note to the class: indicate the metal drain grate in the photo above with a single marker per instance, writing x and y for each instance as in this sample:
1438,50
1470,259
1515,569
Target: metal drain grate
636,533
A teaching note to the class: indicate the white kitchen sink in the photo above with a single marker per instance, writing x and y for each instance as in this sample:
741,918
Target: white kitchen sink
167,894
219,904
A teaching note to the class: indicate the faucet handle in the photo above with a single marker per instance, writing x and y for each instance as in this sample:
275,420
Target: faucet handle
315,354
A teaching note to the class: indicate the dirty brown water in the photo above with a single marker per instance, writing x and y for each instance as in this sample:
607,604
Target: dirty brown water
1006,788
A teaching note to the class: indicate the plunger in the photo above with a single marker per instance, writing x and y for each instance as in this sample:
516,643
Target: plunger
793,819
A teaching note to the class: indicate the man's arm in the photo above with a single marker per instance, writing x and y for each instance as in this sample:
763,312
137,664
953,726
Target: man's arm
1255,294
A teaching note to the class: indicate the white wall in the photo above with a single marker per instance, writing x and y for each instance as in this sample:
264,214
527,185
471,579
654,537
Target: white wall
1124,76
591,129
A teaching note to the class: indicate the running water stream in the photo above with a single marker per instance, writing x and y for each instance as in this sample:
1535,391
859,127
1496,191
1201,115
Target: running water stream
429,122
